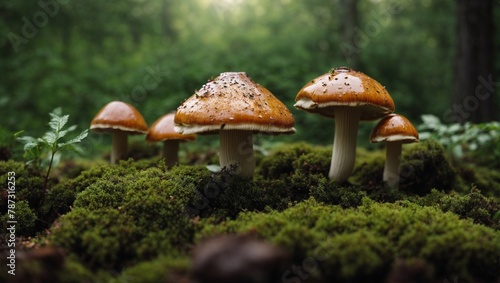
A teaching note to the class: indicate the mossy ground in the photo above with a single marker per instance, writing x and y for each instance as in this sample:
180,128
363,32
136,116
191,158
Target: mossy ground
138,221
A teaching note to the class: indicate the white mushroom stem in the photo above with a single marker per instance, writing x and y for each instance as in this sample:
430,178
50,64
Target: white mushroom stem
344,143
392,159
170,152
236,148
119,150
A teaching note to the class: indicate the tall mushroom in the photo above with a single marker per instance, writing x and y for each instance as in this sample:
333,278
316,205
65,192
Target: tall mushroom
121,119
234,106
163,130
348,96
395,130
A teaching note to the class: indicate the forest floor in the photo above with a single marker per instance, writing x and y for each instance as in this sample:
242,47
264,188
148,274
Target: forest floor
140,221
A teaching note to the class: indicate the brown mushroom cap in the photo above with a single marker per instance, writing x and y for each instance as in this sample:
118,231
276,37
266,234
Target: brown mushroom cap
233,101
118,115
163,129
394,127
345,87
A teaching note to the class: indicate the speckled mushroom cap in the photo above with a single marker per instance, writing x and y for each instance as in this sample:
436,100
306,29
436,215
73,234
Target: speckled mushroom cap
345,87
394,127
118,115
233,101
163,129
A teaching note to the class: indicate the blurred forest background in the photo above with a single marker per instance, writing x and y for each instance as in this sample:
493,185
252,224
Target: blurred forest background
79,55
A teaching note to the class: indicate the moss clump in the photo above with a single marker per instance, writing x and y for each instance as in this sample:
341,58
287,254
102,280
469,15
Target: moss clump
486,179
361,245
473,205
284,161
29,193
424,167
132,217
162,269
295,170
102,238
25,217
368,169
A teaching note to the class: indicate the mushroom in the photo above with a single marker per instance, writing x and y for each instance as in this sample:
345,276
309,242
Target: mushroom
234,106
163,130
348,96
121,119
395,130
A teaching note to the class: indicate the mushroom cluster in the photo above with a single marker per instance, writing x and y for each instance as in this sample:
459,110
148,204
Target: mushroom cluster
122,119
235,107
347,96
350,96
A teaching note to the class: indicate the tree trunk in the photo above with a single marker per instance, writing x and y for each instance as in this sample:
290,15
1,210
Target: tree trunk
474,82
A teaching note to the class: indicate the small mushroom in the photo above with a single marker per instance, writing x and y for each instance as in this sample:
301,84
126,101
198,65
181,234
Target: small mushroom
348,96
121,119
163,130
235,107
395,130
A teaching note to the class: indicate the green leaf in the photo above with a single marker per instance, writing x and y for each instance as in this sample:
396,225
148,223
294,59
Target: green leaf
57,111
424,135
63,133
29,142
76,139
431,120
58,122
18,133
50,137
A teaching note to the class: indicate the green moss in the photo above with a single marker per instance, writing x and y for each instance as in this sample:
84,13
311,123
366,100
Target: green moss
424,167
282,162
360,245
292,171
473,205
133,217
161,269
368,169
25,217
486,179
102,238
331,193
29,182
29,195
137,216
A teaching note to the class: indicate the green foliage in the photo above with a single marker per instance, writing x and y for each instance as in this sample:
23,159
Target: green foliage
478,142
36,148
109,52
360,244
7,144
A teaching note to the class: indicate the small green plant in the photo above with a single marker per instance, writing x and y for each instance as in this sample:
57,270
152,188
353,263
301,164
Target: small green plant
476,141
48,147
